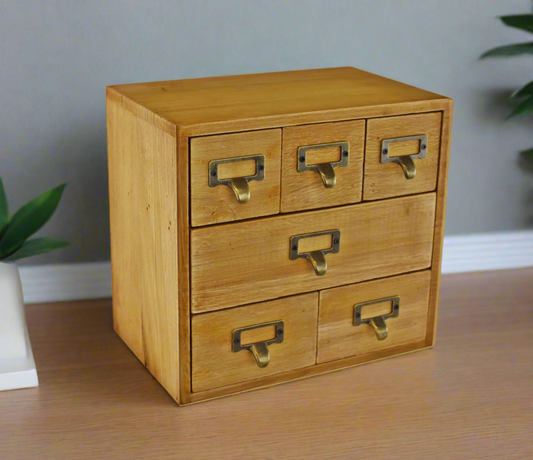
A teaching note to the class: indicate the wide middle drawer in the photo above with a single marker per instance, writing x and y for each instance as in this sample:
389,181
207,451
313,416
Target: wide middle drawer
245,262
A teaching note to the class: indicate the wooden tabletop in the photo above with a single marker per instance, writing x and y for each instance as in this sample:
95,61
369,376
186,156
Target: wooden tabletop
470,397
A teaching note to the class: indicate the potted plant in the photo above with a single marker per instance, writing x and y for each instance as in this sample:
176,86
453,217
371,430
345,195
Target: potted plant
17,368
524,94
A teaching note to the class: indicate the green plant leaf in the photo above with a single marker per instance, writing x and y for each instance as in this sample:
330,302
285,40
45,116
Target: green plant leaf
524,107
527,155
4,211
30,218
36,246
519,21
509,50
524,91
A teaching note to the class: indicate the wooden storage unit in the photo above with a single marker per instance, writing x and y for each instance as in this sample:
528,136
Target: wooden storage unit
254,217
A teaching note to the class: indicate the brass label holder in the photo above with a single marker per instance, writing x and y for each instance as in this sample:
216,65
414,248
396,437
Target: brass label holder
258,349
317,258
377,323
324,170
239,185
405,161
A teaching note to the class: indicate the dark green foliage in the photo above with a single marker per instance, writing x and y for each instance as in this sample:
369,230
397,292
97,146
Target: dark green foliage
36,246
524,107
519,21
522,22
509,50
15,230
527,155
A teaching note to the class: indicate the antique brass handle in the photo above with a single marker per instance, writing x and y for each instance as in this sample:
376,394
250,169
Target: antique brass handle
324,170
239,185
408,166
380,327
405,161
318,261
378,324
259,349
317,258
241,189
261,354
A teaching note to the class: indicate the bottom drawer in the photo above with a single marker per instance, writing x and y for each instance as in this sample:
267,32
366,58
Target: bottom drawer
228,347
372,316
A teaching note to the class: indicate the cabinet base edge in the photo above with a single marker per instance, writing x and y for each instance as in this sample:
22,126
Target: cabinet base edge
299,374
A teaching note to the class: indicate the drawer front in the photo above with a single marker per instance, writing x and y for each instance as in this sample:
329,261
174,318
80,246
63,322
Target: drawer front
372,316
402,155
246,262
322,165
254,341
235,176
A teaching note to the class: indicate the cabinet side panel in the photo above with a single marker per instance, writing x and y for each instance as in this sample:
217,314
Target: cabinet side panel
143,207
125,247
442,183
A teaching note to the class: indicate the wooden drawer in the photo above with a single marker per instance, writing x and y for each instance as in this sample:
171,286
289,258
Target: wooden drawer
213,199
341,335
329,145
384,175
223,357
246,262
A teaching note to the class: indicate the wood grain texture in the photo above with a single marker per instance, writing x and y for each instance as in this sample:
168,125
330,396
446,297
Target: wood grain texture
245,262
388,180
238,169
241,102
214,364
142,178
339,338
305,190
123,171
183,273
440,212
465,399
306,372
314,243
211,205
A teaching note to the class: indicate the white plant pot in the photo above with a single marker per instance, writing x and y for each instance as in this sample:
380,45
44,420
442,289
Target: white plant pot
17,366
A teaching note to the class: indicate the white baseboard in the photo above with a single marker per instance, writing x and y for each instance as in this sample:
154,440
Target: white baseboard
468,253
51,283
489,251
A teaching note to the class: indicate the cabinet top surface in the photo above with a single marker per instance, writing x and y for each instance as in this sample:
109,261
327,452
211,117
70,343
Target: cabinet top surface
241,97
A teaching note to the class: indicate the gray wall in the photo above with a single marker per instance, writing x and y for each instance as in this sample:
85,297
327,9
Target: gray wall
57,57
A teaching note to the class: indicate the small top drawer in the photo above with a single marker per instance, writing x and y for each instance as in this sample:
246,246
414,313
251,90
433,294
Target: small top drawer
322,165
402,155
235,176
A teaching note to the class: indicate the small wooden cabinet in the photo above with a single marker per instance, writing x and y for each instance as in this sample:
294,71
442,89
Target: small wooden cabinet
270,227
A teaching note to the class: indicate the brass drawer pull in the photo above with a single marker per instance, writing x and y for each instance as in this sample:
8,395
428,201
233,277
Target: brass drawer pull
378,322
324,170
405,161
258,349
317,258
239,185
